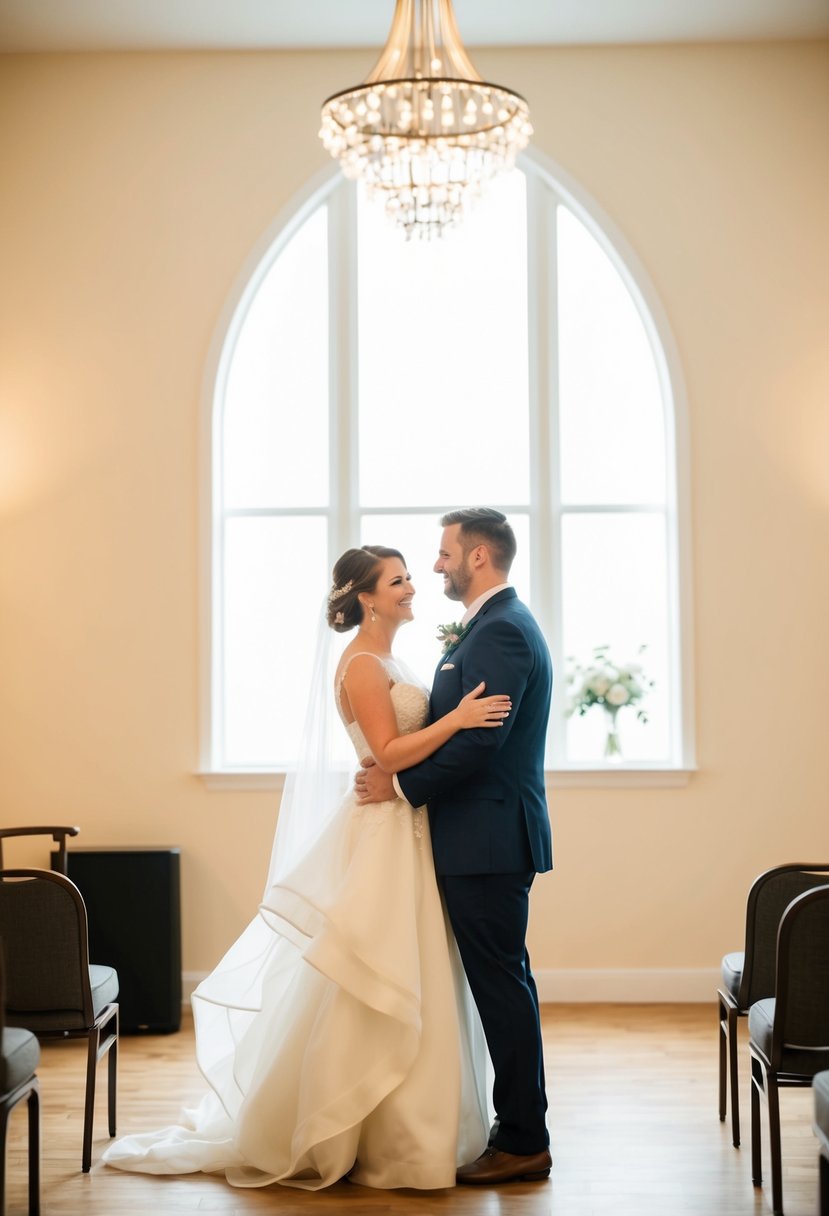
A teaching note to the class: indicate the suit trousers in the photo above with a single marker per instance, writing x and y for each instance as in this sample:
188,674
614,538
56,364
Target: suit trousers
489,913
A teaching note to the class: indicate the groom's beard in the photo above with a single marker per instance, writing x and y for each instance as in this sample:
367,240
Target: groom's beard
457,584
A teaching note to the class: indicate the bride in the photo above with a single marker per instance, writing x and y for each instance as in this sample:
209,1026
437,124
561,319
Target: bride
337,1034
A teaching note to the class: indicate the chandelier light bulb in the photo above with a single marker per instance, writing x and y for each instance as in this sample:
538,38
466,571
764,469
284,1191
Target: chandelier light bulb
427,162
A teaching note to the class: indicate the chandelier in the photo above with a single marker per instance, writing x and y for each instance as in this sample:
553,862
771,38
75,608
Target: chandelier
424,131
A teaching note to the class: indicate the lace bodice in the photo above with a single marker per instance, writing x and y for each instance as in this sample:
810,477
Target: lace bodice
409,699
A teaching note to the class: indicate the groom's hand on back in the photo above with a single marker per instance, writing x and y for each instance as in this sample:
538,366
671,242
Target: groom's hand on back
373,785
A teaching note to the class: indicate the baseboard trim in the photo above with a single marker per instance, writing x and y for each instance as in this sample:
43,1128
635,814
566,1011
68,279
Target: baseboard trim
190,980
645,986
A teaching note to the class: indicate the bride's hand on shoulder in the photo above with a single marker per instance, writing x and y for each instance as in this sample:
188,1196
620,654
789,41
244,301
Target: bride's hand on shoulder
475,710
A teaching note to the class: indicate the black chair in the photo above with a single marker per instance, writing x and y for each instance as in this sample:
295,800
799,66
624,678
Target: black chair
19,1057
821,1088
748,975
789,1031
58,834
51,989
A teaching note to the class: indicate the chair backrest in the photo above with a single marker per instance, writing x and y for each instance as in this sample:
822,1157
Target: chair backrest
44,929
3,1074
2,985
768,899
801,1011
58,834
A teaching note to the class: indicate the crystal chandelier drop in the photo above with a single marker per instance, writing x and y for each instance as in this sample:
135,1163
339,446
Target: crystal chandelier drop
424,131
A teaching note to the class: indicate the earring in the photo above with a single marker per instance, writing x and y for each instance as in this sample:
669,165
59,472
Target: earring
373,617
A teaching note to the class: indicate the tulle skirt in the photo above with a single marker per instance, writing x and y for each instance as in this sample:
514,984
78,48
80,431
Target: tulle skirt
337,1035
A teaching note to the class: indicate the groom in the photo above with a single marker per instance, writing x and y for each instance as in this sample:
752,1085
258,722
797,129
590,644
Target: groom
489,825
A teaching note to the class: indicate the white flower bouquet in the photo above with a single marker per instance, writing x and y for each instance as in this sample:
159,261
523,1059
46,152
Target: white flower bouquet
609,684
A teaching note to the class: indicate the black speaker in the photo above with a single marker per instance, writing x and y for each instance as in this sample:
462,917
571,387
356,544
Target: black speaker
132,899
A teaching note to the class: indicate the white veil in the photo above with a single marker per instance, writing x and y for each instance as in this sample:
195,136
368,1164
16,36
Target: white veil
315,788
227,1001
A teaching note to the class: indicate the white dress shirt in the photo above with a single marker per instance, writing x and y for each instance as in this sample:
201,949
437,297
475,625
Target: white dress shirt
476,605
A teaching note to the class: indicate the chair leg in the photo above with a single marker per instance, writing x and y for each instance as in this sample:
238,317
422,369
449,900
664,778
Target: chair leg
729,1071
824,1185
89,1106
756,1153
735,1077
773,1098
112,1086
30,1091
34,1150
723,1016
95,1050
4,1118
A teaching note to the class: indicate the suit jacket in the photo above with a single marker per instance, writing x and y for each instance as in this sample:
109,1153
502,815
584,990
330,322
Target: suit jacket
485,788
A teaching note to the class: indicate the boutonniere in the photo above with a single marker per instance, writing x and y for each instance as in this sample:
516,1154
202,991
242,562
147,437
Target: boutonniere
451,635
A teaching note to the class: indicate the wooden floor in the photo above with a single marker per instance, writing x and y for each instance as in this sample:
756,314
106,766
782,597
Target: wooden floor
633,1123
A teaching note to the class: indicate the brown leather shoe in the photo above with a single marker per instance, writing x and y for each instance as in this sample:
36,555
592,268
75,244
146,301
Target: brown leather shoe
493,1167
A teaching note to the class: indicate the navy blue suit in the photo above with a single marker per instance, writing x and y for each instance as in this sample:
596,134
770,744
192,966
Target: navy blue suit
490,836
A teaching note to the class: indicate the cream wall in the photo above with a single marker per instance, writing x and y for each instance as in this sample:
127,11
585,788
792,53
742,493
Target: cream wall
134,188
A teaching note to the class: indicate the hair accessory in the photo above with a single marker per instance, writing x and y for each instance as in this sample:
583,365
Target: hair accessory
339,618
340,591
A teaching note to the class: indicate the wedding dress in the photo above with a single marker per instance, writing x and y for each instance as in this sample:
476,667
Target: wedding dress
338,1034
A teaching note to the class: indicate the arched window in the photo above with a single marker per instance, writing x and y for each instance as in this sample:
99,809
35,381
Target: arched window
364,385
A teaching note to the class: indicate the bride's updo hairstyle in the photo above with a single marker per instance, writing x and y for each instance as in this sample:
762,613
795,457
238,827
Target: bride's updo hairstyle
355,572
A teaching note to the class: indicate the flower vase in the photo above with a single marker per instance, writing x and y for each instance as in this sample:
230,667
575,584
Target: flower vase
612,747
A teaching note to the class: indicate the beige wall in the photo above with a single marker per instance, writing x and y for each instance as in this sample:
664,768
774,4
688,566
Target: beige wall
133,189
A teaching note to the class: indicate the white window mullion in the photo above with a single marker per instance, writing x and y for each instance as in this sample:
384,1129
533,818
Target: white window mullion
678,548
538,381
343,520
213,627
545,480
218,526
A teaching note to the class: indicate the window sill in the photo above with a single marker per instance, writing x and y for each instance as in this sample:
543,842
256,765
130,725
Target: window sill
618,776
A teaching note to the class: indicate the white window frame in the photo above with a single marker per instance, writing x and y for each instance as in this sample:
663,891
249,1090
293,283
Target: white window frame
547,184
